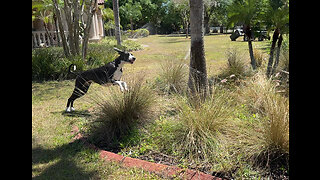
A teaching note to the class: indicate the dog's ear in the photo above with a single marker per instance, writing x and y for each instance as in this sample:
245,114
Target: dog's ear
118,50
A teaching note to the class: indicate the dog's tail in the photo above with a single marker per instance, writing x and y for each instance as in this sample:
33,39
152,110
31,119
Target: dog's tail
73,69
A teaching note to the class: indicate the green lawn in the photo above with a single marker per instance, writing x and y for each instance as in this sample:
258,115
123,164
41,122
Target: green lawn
159,48
55,156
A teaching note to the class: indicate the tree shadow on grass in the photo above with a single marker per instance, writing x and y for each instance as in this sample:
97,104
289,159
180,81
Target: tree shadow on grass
65,167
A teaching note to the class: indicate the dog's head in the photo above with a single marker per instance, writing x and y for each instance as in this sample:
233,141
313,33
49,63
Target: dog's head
125,56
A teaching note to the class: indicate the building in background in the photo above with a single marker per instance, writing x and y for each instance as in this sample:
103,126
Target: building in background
41,39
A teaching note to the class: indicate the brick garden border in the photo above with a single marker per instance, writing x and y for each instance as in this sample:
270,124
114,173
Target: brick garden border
159,169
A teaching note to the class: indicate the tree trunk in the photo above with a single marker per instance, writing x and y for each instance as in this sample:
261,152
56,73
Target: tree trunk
278,54
85,40
253,61
131,24
76,28
187,29
206,23
68,14
248,32
48,34
221,29
198,81
63,37
55,23
117,21
273,45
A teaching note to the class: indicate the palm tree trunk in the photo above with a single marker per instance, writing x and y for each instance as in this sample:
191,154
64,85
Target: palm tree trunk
198,81
248,32
277,55
117,21
253,61
273,45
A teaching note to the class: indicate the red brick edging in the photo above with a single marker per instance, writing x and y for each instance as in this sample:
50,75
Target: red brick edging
159,169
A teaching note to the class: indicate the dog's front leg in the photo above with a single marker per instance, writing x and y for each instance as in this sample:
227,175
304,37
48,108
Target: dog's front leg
125,85
120,84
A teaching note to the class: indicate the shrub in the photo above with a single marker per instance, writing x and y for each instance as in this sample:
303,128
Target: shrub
100,54
143,32
46,63
120,113
130,45
138,33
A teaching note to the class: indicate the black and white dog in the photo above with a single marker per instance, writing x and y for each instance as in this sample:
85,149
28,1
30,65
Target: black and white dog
108,74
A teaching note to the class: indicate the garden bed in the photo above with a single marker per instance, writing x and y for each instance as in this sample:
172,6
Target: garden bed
242,108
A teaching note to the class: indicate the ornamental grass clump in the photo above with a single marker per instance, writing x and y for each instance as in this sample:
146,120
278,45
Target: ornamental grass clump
120,113
267,139
203,124
173,77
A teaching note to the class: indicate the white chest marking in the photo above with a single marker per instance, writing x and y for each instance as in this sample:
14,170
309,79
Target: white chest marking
117,74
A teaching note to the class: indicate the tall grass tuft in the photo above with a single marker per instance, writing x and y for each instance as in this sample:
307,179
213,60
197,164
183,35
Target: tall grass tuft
235,70
258,56
120,113
203,123
173,78
267,138
236,65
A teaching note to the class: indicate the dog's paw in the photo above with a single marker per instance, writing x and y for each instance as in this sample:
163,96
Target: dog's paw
69,109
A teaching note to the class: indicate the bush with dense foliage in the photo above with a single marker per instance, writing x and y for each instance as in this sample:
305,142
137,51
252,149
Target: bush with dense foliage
138,33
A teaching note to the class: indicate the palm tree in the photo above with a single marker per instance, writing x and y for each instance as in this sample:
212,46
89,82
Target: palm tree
117,21
277,18
246,12
198,81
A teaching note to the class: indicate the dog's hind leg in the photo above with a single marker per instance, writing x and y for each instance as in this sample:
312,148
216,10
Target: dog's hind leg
70,103
77,92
